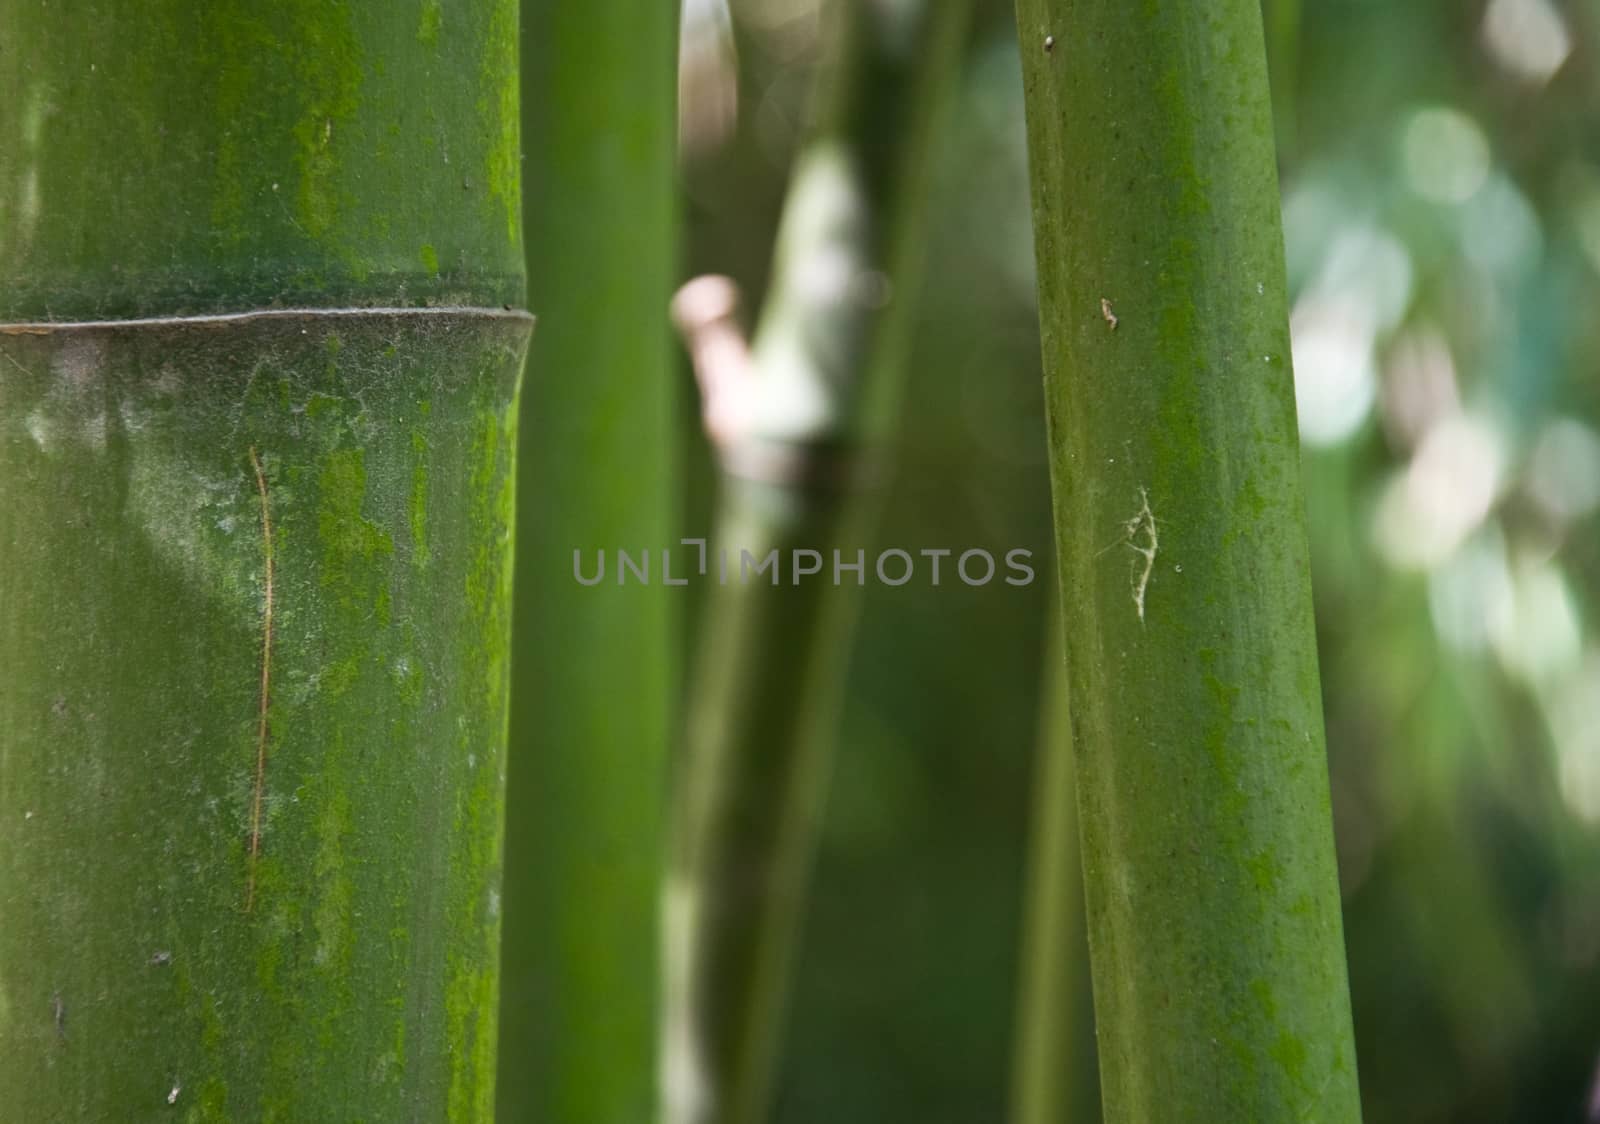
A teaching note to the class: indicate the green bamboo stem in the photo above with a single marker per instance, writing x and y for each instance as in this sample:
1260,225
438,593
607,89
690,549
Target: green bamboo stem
1283,19
257,386
1053,1081
794,420
1217,954
749,798
590,717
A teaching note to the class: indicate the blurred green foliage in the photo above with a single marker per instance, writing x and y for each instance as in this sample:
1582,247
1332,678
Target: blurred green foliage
1441,178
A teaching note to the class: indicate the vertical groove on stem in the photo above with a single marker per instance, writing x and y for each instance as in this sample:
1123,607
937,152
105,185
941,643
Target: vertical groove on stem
266,679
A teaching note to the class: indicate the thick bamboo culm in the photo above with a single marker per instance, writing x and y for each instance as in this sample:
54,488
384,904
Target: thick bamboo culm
261,273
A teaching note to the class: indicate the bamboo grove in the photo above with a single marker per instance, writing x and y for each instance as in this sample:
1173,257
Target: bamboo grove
331,334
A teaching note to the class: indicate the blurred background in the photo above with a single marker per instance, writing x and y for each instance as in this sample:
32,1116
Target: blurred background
1440,164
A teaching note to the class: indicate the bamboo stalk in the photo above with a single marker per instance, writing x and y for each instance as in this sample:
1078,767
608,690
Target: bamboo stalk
1053,1081
795,418
1219,977
257,386
594,667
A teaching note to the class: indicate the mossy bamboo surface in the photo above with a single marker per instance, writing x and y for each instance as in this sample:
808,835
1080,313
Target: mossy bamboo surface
593,667
258,272
1216,944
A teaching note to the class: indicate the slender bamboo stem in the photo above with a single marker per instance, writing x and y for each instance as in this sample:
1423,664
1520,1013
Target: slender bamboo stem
1053,1078
1219,978
257,385
594,667
794,418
